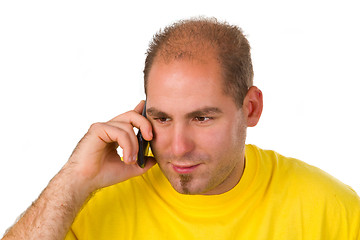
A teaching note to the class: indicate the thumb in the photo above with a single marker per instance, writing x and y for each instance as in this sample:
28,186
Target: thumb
150,162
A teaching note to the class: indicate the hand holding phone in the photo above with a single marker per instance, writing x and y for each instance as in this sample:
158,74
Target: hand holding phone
143,145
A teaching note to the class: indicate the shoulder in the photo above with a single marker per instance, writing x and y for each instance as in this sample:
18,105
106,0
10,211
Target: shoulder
303,179
309,195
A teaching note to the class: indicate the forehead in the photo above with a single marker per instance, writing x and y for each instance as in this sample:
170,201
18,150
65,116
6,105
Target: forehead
186,84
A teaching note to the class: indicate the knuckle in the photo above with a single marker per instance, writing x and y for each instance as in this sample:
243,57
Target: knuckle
130,112
95,126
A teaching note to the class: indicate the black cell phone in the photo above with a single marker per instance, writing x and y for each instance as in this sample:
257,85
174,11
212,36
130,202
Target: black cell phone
143,145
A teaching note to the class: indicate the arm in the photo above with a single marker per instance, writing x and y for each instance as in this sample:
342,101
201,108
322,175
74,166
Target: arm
94,164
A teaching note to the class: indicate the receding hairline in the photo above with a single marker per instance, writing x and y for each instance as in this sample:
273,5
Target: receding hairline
190,39
193,38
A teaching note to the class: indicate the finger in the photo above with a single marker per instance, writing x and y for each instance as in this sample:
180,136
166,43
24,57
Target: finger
119,171
137,120
133,139
129,171
139,108
150,161
106,133
145,131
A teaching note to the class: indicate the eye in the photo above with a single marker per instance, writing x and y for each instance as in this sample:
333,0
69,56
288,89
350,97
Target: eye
162,119
203,119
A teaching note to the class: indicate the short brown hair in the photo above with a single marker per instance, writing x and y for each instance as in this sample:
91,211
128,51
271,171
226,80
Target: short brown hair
194,39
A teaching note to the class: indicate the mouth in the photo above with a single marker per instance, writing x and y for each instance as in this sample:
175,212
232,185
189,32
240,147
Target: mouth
184,169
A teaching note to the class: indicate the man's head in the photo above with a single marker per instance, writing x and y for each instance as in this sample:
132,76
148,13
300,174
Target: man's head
197,39
199,123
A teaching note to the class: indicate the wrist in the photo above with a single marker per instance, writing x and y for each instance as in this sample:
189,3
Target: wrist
75,183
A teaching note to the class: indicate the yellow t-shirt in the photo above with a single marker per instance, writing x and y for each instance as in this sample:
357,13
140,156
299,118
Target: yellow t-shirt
276,198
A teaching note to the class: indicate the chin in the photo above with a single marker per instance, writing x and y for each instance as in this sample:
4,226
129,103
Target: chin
185,184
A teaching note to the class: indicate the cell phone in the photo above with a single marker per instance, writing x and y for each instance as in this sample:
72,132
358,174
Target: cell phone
143,145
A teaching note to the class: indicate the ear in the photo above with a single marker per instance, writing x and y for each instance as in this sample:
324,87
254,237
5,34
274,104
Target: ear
252,106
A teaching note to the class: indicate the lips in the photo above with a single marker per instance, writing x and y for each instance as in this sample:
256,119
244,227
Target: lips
183,169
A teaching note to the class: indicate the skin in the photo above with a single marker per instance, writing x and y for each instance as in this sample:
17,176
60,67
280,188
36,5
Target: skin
199,131
184,118
94,164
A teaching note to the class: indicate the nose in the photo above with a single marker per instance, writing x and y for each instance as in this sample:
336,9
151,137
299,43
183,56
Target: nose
182,141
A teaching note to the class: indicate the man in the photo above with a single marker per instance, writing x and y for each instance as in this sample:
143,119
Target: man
203,182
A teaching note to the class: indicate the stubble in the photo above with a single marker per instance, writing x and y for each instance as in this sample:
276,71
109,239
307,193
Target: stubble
185,179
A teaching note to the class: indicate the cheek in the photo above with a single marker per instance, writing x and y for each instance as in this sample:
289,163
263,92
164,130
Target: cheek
215,139
225,140
160,140
212,137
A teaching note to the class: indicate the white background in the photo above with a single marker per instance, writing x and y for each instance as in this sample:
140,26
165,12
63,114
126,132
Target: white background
67,64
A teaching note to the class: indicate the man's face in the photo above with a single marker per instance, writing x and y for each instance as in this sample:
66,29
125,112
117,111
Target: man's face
199,133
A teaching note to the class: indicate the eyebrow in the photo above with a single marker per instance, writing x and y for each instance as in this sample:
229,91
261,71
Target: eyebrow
199,112
155,112
204,112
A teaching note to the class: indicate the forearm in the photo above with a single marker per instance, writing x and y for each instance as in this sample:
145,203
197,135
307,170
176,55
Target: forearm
52,214
94,164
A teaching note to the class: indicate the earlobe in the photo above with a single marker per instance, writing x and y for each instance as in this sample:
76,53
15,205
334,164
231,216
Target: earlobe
253,105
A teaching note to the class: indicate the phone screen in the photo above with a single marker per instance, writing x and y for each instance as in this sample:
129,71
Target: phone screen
143,145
